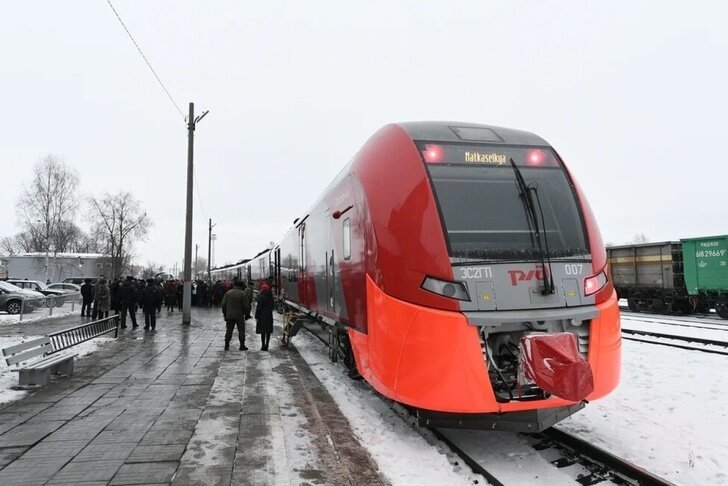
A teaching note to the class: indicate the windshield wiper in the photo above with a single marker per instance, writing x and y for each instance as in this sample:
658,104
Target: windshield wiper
534,188
530,208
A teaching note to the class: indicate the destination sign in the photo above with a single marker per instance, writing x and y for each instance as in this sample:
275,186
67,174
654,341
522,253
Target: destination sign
483,158
486,155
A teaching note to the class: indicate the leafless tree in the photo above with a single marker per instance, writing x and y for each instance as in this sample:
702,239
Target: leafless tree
120,221
200,267
8,246
151,269
47,207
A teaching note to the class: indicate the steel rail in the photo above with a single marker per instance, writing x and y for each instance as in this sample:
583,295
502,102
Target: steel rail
620,466
680,346
708,326
676,315
472,463
689,339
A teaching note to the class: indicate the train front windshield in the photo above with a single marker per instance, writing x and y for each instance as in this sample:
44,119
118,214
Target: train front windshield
483,209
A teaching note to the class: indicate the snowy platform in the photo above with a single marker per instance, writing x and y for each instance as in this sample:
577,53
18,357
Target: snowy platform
172,407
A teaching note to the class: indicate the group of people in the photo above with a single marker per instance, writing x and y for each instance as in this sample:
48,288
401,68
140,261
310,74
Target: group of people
123,296
236,309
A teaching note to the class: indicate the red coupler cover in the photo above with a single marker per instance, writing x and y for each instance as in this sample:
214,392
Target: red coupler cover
554,363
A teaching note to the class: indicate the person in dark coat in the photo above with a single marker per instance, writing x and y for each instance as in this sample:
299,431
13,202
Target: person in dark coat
127,300
160,290
102,297
180,293
114,291
95,310
217,292
264,316
87,293
203,300
170,295
141,284
235,306
150,299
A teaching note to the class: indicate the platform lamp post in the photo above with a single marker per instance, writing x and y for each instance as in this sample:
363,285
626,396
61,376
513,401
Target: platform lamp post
187,294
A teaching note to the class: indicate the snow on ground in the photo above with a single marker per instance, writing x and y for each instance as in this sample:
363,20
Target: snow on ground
403,455
9,319
9,379
669,414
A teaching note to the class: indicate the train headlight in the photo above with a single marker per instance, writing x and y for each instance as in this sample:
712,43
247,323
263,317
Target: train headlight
595,283
452,290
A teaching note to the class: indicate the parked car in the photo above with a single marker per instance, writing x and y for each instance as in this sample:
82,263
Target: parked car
79,280
68,288
36,285
13,298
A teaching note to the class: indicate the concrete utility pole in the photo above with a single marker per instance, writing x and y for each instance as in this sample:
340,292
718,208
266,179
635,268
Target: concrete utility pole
209,250
187,295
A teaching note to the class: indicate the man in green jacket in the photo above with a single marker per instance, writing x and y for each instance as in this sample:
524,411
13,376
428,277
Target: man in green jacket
235,306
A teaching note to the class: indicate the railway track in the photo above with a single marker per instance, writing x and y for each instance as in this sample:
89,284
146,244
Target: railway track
674,345
599,465
703,318
675,321
658,329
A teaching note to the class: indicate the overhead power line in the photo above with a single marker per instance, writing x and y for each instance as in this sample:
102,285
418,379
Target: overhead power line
146,60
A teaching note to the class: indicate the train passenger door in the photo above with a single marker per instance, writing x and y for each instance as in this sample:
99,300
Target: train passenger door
302,293
330,282
277,270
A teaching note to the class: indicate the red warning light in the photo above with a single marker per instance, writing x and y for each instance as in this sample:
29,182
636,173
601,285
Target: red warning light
535,157
433,154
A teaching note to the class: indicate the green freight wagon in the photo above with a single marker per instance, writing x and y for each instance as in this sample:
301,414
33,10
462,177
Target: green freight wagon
650,276
705,262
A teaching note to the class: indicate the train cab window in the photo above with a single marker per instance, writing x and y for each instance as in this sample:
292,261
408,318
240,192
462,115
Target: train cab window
483,213
347,238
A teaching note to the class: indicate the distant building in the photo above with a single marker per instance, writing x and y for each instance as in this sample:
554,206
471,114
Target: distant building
36,266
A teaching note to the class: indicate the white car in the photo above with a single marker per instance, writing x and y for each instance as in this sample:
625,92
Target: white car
68,288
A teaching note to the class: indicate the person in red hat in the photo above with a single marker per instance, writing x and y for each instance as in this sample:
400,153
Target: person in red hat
264,316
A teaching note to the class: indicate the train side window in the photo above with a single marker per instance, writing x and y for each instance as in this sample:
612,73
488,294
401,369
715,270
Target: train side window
347,238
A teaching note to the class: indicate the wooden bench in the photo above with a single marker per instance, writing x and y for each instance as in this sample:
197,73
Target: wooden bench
35,360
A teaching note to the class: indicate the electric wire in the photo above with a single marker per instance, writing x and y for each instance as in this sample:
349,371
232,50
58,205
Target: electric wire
146,60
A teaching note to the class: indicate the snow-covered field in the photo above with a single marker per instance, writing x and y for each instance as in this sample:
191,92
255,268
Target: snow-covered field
669,413
9,379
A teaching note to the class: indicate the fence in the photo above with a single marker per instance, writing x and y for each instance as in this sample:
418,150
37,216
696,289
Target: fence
75,335
50,304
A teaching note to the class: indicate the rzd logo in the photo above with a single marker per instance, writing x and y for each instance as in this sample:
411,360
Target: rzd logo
521,276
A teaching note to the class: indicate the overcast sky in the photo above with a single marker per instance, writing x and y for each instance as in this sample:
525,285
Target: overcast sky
633,95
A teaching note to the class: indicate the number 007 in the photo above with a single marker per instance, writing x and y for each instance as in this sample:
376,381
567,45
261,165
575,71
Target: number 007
574,269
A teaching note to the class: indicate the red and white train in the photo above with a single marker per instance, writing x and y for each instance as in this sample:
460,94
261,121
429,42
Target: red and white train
434,252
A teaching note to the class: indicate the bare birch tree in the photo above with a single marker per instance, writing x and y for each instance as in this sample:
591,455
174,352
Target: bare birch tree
120,222
47,207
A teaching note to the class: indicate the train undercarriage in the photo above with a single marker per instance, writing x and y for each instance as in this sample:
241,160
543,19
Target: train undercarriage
669,301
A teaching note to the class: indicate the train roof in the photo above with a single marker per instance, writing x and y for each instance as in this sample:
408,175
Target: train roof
469,132
642,245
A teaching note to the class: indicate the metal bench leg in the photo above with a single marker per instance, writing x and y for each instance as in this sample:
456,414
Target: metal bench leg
65,368
34,377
